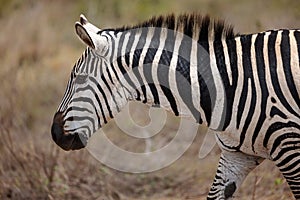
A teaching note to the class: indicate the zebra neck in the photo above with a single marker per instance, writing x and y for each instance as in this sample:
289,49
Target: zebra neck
174,72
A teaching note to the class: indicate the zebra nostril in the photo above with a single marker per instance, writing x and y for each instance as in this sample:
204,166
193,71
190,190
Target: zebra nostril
56,132
62,138
53,133
57,127
58,118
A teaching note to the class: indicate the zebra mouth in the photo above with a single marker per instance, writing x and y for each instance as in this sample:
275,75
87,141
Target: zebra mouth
63,139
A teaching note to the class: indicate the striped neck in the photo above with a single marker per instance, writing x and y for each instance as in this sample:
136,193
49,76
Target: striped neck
168,69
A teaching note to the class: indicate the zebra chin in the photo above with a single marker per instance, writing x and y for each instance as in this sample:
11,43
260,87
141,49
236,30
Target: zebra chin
65,140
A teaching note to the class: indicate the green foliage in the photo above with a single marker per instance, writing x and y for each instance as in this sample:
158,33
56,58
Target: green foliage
4,4
278,181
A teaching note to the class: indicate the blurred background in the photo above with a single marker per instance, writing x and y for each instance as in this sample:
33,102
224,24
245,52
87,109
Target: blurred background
38,48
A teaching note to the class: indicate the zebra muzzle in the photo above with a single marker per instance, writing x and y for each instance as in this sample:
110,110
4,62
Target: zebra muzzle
63,139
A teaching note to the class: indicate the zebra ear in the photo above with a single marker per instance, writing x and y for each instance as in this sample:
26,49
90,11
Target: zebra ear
87,25
84,35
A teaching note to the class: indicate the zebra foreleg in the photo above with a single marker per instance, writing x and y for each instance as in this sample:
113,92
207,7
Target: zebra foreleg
232,170
288,162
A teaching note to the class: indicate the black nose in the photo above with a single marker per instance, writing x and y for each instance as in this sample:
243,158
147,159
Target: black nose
65,140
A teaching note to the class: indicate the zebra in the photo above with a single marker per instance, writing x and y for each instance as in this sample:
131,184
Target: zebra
249,93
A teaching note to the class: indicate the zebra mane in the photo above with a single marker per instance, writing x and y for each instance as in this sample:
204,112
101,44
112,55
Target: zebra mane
193,25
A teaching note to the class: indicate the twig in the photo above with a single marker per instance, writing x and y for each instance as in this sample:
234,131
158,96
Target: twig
10,147
255,183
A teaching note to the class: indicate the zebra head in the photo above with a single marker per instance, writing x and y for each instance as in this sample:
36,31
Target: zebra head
90,92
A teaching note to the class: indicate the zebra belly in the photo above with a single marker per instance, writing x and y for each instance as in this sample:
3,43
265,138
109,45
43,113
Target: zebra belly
231,141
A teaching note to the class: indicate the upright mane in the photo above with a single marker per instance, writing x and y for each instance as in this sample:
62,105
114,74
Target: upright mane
193,25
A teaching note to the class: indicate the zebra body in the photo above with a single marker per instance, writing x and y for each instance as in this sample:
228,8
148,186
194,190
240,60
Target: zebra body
245,87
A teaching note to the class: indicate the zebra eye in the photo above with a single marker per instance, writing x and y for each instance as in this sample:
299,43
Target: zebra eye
81,78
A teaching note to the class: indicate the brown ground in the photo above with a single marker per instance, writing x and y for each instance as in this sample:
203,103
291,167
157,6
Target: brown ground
38,47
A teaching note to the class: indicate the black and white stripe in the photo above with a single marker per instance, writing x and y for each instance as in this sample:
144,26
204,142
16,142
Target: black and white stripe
246,87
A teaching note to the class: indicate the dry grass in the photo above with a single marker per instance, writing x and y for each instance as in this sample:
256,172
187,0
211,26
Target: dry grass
37,50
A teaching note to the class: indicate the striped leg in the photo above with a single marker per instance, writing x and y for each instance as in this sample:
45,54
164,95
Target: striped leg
288,161
232,170
292,176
